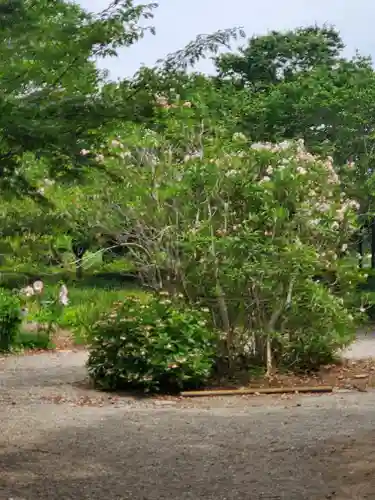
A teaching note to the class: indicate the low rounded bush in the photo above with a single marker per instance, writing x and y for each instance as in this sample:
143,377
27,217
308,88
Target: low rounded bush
153,345
316,328
10,319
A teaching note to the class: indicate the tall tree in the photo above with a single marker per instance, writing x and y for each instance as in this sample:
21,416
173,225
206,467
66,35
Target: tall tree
301,86
50,102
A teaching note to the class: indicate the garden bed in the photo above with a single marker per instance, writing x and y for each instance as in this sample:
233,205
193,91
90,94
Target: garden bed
350,375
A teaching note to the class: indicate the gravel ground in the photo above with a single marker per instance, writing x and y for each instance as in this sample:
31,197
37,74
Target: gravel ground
61,440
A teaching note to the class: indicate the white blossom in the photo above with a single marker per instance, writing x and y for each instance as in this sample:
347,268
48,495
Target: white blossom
63,295
49,182
231,173
323,207
314,222
265,179
28,291
38,286
259,146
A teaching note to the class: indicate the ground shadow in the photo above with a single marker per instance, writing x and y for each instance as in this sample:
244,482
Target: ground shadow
157,455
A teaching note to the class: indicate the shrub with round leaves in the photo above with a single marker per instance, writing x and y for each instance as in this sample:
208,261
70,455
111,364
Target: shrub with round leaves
152,345
10,319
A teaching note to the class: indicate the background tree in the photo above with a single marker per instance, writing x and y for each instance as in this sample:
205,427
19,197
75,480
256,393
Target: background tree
301,86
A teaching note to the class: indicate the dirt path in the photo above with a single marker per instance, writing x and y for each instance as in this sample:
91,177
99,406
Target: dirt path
60,440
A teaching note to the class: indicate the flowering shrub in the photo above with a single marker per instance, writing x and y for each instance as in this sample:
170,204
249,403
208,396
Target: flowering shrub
45,307
152,345
243,229
10,319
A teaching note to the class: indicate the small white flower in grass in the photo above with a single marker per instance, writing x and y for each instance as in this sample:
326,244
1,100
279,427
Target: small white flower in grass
354,204
301,171
265,179
84,152
344,247
99,158
63,295
269,170
28,291
38,286
41,191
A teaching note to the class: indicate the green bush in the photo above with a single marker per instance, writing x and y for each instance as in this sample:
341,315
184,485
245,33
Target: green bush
34,340
153,345
10,319
314,339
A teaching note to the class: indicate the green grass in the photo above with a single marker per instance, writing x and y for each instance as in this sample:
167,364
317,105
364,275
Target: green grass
33,340
87,304
101,286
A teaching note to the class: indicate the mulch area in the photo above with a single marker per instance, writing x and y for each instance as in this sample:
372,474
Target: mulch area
348,374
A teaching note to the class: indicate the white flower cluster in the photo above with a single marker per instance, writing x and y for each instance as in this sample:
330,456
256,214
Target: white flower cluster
38,287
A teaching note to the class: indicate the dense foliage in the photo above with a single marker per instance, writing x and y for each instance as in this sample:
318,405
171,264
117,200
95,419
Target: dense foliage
10,319
249,192
151,345
244,229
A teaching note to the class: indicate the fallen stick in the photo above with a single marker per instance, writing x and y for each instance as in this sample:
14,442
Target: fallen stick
269,390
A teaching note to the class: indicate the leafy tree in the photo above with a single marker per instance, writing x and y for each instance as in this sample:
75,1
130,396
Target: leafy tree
300,86
277,57
50,103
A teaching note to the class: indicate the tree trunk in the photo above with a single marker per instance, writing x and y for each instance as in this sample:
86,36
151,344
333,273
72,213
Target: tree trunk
79,251
373,243
269,358
360,248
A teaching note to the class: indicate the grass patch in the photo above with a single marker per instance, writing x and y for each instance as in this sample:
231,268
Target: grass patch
87,304
102,284
33,340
